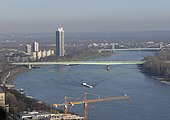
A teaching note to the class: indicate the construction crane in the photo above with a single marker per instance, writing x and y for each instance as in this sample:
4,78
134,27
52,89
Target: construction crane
85,102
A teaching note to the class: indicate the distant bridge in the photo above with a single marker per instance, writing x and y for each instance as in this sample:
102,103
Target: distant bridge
80,63
141,49
131,49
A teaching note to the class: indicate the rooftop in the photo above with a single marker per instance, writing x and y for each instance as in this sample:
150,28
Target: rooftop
51,116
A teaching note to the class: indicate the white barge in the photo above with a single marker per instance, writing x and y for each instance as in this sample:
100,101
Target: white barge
87,85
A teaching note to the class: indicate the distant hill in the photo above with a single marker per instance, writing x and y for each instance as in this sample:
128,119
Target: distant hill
73,37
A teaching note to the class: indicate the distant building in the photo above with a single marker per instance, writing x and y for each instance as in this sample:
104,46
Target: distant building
43,53
52,52
28,49
17,57
36,47
113,46
38,54
48,52
60,42
34,55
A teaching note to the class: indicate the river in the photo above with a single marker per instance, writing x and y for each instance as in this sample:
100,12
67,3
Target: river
149,98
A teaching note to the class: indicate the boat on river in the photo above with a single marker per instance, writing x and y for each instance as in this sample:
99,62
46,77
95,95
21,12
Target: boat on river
87,85
21,90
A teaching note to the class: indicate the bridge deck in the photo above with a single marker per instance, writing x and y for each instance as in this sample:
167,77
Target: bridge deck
80,63
133,49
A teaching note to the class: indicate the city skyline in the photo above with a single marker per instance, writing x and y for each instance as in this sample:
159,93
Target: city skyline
84,16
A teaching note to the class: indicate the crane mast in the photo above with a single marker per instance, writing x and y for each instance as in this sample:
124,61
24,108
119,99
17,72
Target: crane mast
85,107
85,102
66,105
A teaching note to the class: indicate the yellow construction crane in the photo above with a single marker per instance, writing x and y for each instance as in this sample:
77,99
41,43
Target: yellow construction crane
85,102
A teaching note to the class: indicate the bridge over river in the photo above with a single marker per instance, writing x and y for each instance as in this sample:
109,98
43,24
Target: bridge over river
131,49
107,63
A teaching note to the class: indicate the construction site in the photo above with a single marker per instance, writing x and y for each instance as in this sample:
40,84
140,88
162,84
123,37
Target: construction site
85,102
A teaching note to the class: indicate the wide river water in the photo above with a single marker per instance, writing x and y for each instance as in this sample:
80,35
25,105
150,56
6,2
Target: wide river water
149,98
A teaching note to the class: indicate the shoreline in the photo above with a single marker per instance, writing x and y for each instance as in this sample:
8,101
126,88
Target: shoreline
14,72
22,98
161,79
158,78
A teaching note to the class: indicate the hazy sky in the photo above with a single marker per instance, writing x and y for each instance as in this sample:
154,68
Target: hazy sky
28,16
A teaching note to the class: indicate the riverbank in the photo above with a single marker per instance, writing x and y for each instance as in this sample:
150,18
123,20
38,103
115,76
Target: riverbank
157,66
9,75
18,101
159,78
88,55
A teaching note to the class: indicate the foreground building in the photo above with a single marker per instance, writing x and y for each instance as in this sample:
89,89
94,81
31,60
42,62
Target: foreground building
3,105
2,98
35,115
60,42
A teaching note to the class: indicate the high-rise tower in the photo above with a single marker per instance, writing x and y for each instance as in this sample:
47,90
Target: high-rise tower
60,42
36,47
28,49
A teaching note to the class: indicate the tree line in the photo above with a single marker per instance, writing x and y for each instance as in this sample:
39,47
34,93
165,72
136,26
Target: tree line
157,65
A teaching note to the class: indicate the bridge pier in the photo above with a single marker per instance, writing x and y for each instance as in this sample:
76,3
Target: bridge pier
113,47
108,67
29,66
